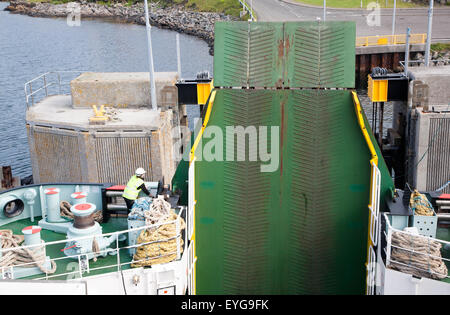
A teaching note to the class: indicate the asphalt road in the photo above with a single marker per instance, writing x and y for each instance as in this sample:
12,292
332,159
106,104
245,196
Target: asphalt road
417,19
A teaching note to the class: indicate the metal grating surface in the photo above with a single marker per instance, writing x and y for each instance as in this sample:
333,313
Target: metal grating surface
300,229
438,166
246,209
264,64
234,45
291,54
321,54
57,156
248,52
118,157
312,190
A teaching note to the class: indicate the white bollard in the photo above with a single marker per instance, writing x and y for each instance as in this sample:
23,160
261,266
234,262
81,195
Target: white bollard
32,235
79,197
53,210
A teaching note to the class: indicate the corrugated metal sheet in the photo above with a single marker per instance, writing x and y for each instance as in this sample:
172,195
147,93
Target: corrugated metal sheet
62,155
118,157
57,155
438,166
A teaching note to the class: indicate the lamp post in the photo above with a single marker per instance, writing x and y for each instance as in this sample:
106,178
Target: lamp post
430,26
393,17
150,58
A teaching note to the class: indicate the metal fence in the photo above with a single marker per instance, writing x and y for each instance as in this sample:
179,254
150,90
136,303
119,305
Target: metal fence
49,83
248,9
390,40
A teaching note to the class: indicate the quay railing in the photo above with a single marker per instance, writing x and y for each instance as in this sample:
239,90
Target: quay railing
83,259
249,9
391,232
433,62
365,41
49,83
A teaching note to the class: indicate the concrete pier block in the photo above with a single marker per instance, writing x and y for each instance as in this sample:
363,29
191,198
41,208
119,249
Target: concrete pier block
122,89
65,147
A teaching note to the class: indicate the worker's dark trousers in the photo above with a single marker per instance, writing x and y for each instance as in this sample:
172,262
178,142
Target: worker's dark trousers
129,203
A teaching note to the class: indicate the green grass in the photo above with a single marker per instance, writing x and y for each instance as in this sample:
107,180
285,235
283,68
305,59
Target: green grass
357,3
441,47
229,7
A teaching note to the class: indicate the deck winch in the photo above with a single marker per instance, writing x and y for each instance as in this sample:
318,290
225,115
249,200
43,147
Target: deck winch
84,226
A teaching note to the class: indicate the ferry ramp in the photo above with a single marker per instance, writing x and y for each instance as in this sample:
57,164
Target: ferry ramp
302,228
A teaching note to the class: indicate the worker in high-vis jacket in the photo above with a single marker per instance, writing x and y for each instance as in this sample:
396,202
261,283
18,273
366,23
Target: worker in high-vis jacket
134,186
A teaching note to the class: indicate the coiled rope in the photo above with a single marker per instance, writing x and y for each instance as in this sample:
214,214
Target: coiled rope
36,255
159,211
420,204
66,213
417,255
161,241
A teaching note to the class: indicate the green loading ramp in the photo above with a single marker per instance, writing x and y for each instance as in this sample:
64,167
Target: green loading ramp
302,228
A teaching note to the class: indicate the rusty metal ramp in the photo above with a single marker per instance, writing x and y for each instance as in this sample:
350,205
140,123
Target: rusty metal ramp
288,55
289,215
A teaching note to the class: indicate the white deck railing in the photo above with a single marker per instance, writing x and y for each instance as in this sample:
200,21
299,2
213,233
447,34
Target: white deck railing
374,226
83,261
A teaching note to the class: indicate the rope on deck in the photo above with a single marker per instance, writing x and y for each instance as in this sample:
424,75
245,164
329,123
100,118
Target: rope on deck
23,255
417,255
66,213
161,241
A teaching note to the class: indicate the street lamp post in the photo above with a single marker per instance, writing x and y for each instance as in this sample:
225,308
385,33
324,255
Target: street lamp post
430,26
324,10
393,17
150,58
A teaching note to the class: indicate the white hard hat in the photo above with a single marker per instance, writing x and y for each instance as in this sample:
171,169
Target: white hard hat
140,171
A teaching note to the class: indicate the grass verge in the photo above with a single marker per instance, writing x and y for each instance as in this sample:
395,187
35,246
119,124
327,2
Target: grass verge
357,3
229,7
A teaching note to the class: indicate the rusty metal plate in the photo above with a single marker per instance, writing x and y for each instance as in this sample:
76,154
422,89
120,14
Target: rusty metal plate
248,54
291,54
320,54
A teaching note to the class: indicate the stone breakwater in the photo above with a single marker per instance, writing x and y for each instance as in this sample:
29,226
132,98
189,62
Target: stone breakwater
200,24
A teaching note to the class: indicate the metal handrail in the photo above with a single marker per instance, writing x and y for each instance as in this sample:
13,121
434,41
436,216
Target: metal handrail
383,40
51,78
435,61
244,4
106,250
374,223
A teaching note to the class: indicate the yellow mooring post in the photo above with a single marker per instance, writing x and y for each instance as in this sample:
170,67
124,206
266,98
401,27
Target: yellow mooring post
99,117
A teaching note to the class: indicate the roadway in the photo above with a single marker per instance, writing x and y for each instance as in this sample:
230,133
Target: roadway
417,19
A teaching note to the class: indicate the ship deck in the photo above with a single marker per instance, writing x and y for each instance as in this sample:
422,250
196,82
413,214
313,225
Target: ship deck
67,265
